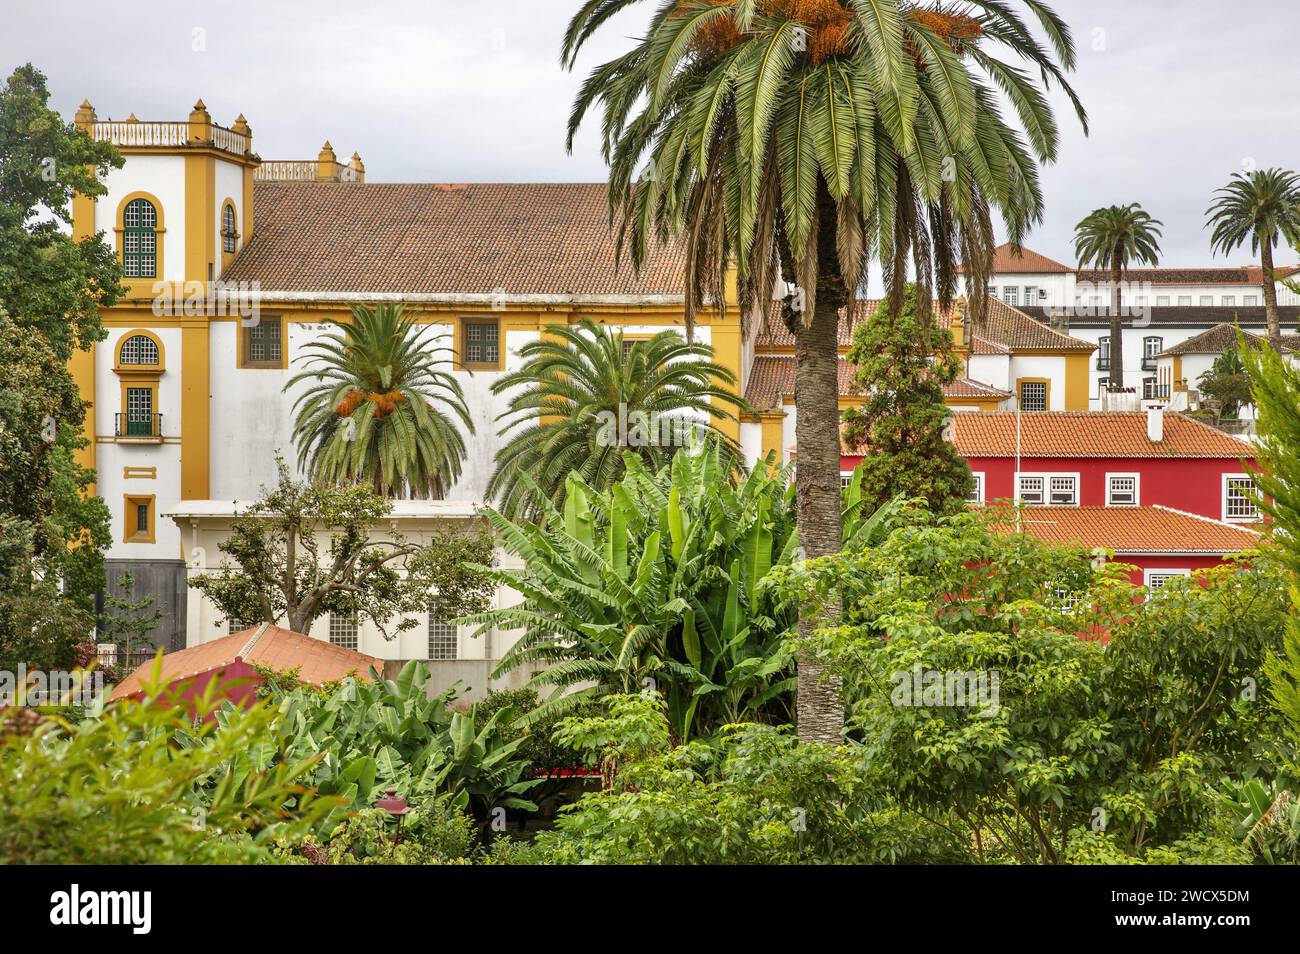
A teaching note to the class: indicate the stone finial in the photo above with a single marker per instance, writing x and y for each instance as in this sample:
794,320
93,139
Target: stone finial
240,125
85,115
200,113
358,168
327,164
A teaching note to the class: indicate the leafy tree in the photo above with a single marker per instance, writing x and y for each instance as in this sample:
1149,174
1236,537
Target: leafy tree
279,570
1263,206
801,139
587,395
129,622
1099,711
1276,387
380,407
51,290
903,364
1227,382
1114,237
48,282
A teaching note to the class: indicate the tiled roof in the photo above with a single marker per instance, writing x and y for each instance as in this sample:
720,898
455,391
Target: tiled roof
479,239
1006,329
1223,337
1243,275
1135,530
1024,261
772,377
1090,434
1206,315
317,661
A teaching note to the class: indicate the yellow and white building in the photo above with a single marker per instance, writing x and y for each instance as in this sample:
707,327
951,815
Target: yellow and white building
234,264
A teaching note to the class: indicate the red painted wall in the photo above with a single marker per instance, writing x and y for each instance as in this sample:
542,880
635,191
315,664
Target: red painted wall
1191,484
1170,562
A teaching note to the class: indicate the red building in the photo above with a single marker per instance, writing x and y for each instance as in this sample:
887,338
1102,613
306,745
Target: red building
1160,490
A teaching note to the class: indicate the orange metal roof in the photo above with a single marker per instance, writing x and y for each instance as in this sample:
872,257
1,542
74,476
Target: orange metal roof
1135,530
1090,434
317,661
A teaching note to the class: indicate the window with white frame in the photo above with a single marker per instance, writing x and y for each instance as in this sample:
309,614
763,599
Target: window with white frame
975,494
1151,390
1250,300
1058,490
1156,579
1240,499
846,478
343,630
1207,299
1031,294
1229,299
1122,490
1064,491
1030,490
1103,353
442,640
1152,345
1184,300
1011,294
1162,301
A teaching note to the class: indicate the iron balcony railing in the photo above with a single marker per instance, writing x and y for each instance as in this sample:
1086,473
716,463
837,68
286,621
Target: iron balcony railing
138,425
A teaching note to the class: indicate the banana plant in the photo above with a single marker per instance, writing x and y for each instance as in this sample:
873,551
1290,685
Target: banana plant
654,584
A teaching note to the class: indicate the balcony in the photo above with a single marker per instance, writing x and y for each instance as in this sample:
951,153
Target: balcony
141,429
1149,363
134,134
1103,364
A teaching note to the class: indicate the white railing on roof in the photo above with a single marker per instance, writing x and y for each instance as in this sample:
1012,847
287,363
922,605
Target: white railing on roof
167,135
287,170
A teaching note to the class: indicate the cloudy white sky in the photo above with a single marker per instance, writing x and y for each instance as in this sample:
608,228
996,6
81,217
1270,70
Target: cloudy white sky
1180,93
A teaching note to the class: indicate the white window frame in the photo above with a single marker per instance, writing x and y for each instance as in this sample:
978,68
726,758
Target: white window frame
978,497
452,639
1165,571
1031,294
1223,499
845,477
1162,301
1137,488
1207,301
345,631
1047,478
1184,301
1229,300
1249,301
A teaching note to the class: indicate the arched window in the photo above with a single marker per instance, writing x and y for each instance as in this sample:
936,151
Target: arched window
229,234
140,239
138,349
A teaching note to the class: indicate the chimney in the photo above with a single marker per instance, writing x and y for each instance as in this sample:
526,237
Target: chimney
1156,424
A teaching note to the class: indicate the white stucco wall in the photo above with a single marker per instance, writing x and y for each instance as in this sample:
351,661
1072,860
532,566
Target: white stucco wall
164,178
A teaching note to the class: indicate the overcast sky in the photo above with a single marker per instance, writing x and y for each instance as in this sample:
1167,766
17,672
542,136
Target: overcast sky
1180,93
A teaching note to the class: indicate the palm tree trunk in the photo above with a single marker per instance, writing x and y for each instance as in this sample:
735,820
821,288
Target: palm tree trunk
1116,326
1270,294
819,713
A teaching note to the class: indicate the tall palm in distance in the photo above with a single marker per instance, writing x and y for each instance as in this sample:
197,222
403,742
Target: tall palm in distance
1263,206
382,407
1114,238
802,139
587,395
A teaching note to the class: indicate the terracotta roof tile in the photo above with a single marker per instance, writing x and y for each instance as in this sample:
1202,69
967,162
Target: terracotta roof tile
1223,337
1135,530
1006,329
394,238
317,661
1180,315
771,378
1090,434
1024,261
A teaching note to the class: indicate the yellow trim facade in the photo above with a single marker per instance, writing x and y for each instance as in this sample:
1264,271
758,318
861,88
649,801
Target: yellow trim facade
140,287
130,518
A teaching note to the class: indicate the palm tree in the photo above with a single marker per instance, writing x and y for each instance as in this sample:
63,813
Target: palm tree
586,395
1261,206
1114,237
800,140
381,408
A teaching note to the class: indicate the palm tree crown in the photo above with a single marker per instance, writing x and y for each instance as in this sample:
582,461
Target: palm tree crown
380,406
1114,238
1262,205
587,394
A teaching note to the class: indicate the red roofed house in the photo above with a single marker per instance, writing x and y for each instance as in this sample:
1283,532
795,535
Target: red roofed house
1163,491
234,661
